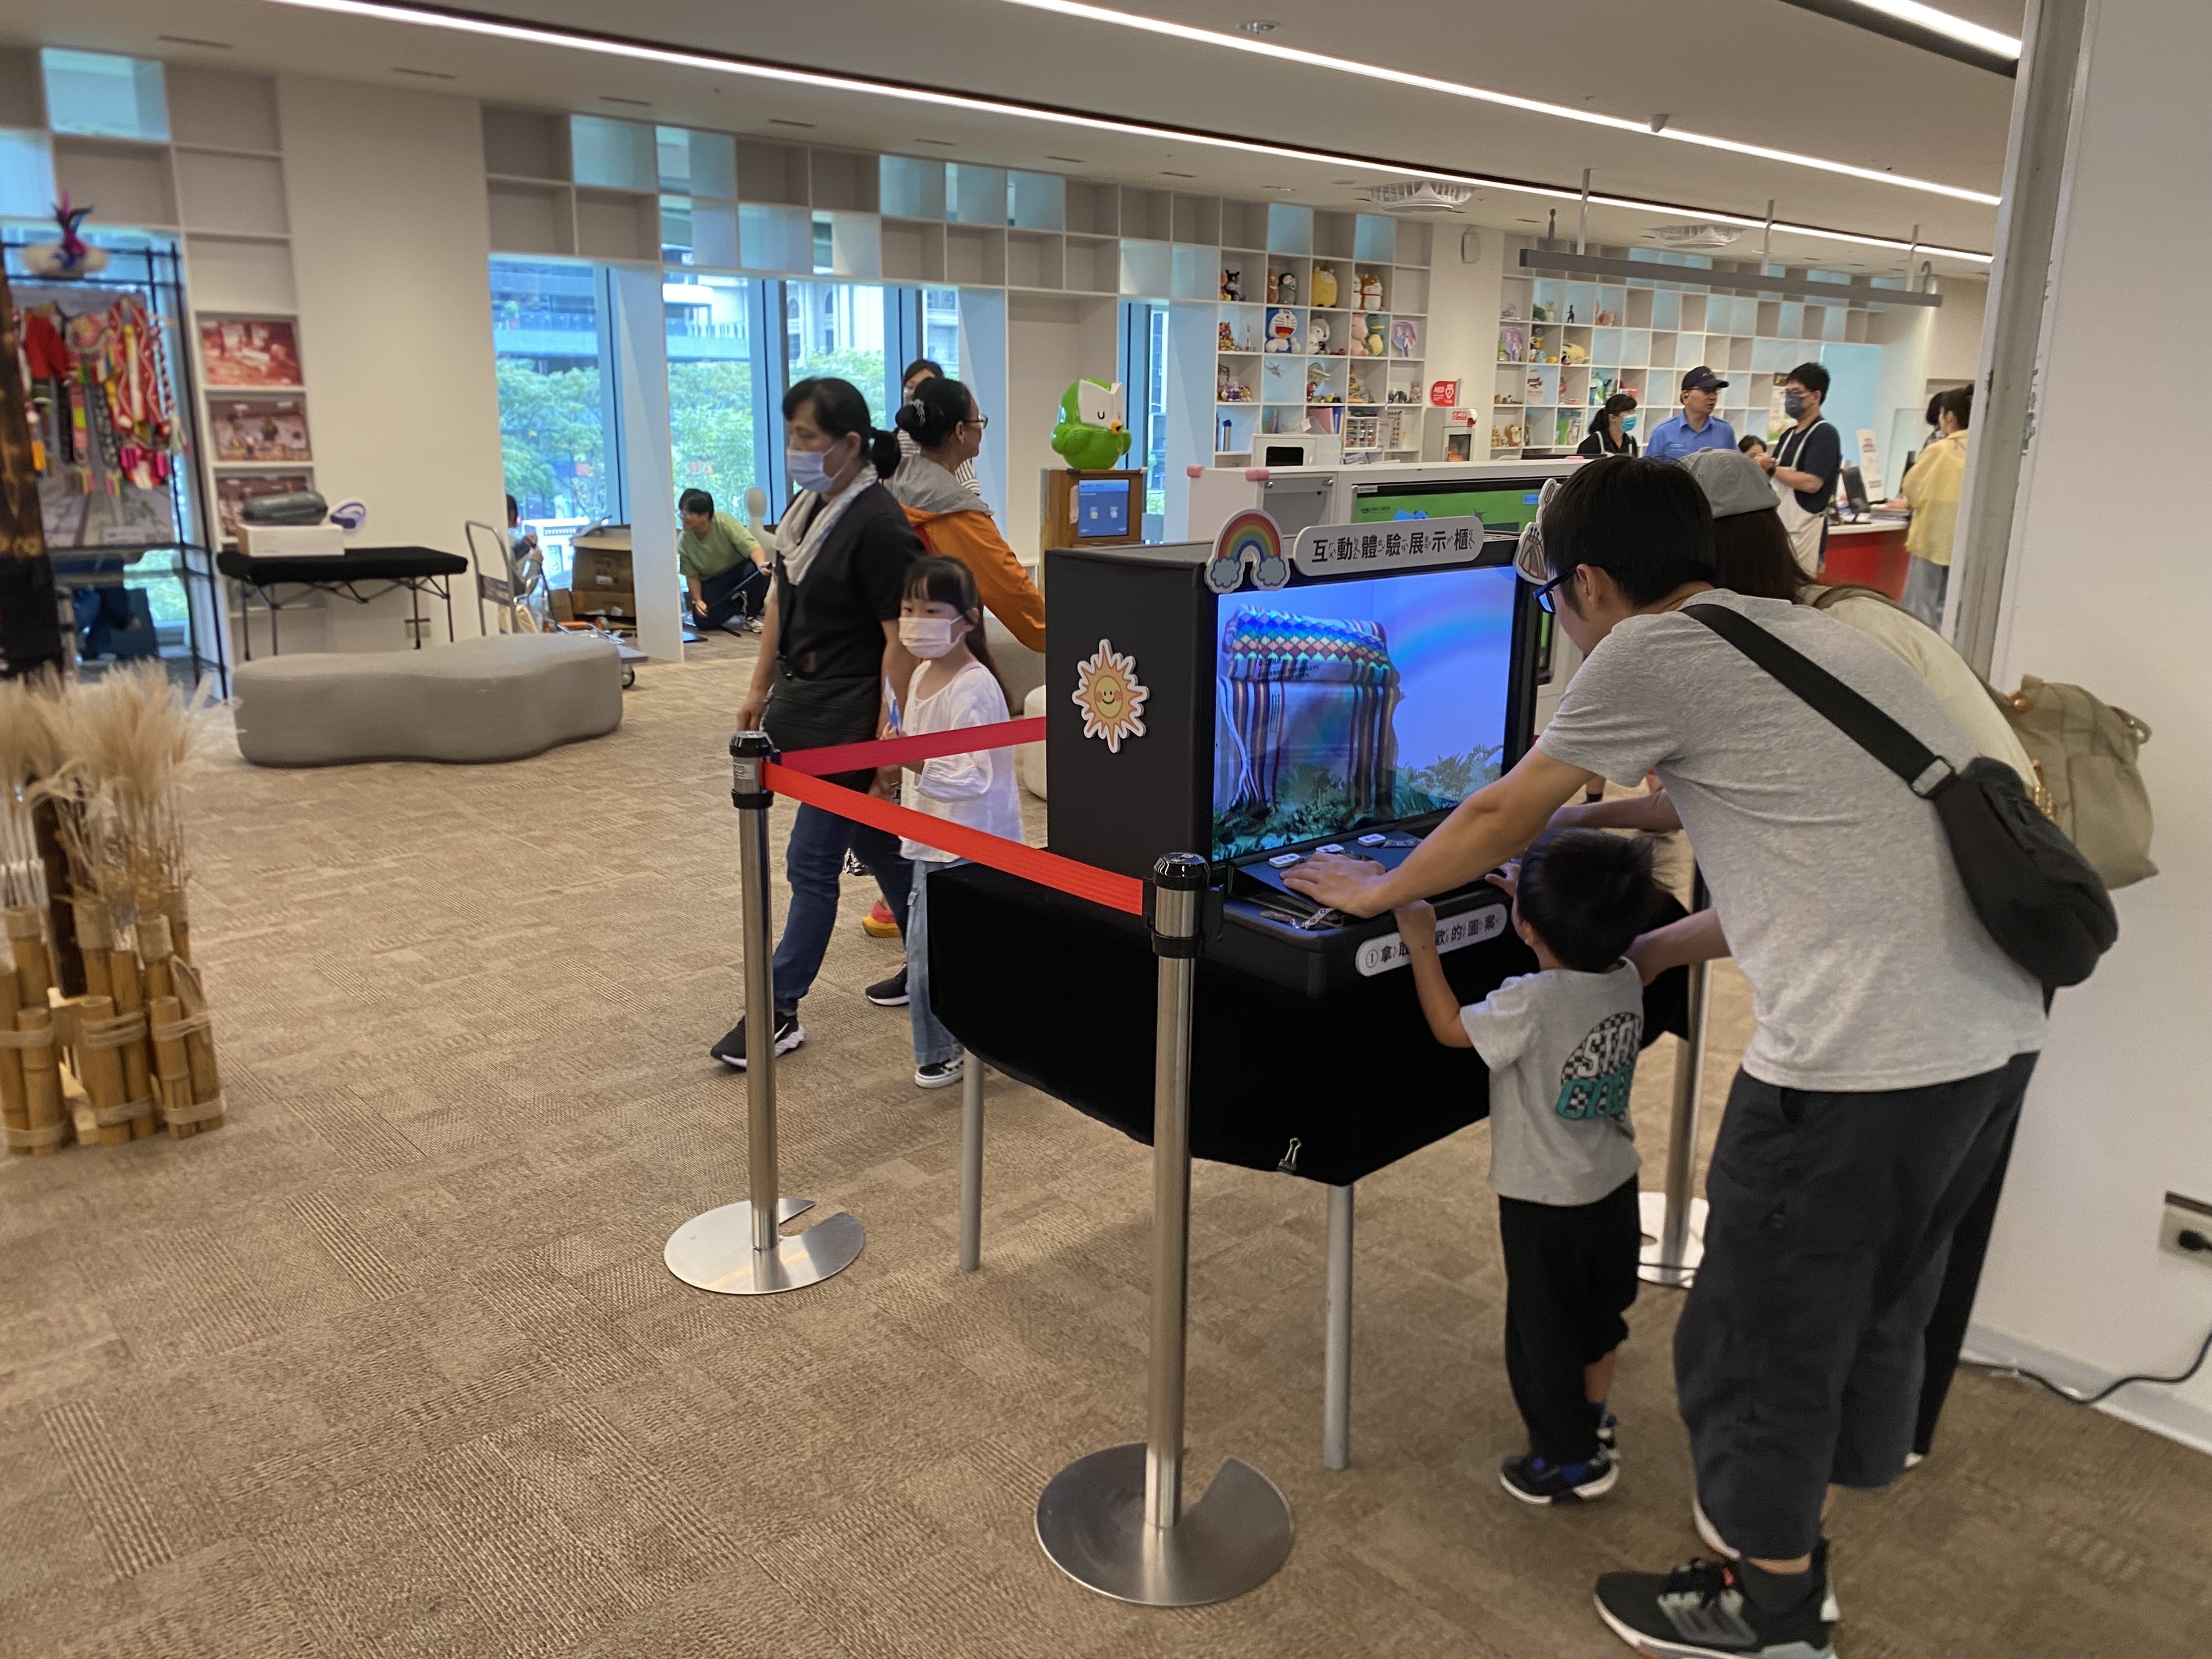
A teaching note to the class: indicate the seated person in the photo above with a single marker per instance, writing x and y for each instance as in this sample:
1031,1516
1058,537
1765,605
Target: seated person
1561,1045
724,572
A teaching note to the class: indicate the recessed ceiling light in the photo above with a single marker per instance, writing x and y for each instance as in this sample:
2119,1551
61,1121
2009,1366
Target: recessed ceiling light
1482,94
423,75
194,40
1278,186
1259,25
669,56
779,121
1943,23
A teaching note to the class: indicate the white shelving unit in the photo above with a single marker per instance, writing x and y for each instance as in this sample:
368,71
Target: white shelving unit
1564,346
1286,363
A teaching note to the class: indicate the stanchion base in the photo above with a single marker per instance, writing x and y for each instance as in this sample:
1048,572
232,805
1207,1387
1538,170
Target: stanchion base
1091,1520
714,1251
1675,1275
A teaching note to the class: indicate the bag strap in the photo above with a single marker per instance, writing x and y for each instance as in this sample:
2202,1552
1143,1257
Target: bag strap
1829,697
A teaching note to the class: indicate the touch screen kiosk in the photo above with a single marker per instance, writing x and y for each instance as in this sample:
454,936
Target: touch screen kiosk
1346,712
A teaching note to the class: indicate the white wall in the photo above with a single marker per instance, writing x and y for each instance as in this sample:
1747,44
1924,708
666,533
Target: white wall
1954,340
1049,343
1462,341
390,243
2109,586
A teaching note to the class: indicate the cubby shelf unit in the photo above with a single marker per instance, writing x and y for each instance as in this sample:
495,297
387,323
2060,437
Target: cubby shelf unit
1565,345
1350,369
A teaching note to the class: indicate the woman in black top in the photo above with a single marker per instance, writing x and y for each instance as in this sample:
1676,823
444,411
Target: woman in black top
830,645
1608,429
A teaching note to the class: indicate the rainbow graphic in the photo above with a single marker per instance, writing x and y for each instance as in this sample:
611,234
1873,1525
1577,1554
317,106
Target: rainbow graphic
1250,537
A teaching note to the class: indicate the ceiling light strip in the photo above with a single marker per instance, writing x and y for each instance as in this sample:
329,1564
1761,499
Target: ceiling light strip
1926,27
1264,48
644,51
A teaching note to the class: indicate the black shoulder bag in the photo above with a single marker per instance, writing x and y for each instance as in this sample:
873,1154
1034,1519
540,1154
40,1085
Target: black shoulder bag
2038,896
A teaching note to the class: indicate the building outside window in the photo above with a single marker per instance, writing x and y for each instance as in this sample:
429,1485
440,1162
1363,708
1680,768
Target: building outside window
940,328
553,399
836,329
712,423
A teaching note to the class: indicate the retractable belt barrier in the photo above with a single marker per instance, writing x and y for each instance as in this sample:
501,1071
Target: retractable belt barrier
1115,1521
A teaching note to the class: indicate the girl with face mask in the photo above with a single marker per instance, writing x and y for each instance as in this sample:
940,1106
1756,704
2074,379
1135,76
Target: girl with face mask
830,655
941,623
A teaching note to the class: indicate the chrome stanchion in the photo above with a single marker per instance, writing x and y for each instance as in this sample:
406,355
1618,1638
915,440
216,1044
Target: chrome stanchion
971,1166
738,1248
1336,1336
1674,1220
1115,1521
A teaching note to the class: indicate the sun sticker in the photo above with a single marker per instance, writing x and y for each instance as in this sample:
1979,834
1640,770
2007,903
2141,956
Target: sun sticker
1108,692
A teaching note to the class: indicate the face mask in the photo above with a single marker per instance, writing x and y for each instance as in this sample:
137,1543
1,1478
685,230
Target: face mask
1628,424
928,636
805,469
1793,404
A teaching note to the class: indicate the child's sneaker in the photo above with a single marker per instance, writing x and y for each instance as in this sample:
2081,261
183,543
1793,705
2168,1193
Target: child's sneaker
940,1073
1608,1431
1532,1480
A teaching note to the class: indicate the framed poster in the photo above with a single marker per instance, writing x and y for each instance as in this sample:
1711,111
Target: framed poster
239,351
233,490
258,429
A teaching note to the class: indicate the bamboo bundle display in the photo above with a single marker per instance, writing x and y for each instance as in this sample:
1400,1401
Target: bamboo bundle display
46,1126
29,750
100,1065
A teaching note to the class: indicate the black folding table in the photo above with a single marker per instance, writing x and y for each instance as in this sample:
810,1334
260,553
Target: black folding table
420,570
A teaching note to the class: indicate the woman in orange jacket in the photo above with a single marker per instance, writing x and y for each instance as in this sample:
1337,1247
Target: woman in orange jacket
951,518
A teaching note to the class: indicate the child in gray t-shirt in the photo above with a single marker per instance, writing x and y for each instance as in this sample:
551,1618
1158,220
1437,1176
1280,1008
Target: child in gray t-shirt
1561,1045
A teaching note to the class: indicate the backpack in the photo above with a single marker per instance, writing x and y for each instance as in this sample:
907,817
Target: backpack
2085,751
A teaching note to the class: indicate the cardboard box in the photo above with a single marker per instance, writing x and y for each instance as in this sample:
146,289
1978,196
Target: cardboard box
603,602
292,541
564,606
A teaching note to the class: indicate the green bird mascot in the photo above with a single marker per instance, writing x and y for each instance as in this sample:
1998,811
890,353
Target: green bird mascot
1090,435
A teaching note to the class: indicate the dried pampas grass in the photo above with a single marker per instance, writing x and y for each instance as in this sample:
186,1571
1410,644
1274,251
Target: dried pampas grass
30,748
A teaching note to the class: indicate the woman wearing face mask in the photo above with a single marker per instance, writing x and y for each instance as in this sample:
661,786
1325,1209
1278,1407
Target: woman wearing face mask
941,421
1608,428
956,686
829,653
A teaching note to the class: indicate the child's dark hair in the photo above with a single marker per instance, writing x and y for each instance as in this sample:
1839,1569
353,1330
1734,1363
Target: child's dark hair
1587,894
948,582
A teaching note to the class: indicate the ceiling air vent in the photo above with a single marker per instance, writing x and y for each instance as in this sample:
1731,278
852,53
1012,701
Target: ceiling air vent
1422,198
1694,236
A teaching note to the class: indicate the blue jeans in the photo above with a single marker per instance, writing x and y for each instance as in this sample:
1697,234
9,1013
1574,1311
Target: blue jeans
814,862
1924,586
933,1044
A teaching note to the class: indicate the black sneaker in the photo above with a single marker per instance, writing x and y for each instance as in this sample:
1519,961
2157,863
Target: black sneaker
1703,1611
1608,1430
1532,1480
1831,1609
889,993
854,867
730,1050
940,1073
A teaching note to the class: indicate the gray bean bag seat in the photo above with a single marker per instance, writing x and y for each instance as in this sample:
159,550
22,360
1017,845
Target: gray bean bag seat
495,699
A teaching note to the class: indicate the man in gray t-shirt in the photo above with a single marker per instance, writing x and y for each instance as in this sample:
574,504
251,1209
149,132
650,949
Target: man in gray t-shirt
1894,1039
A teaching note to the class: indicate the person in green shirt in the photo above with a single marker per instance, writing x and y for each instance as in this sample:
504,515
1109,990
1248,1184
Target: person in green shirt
724,572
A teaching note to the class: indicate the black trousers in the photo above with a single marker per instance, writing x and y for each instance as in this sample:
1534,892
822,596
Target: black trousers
1569,1275
740,590
1799,1355
1955,1302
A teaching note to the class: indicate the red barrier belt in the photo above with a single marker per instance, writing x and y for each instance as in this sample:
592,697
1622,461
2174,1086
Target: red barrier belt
1085,881
896,751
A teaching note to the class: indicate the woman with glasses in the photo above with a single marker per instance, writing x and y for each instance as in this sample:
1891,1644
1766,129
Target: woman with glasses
942,422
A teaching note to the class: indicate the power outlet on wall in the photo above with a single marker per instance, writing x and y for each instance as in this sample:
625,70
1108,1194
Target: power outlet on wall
2185,1228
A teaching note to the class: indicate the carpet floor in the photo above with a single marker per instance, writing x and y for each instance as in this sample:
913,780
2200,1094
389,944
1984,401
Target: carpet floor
391,1366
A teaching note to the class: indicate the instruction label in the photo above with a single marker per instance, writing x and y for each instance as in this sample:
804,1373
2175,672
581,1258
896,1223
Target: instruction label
1380,955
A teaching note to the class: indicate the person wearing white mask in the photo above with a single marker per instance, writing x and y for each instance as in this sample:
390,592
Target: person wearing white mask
941,622
829,656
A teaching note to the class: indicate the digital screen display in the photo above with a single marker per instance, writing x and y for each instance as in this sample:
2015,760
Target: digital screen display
1500,509
1101,507
1349,703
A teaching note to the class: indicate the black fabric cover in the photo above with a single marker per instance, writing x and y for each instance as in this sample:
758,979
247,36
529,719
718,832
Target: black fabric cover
1061,994
356,564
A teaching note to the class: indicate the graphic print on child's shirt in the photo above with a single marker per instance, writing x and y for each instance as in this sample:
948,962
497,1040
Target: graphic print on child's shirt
1597,1077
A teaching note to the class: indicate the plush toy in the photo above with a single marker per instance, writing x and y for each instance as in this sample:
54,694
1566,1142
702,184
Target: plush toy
1574,354
1376,347
1607,319
1226,337
1316,338
1324,285
1371,291
1359,387
1282,329
1286,288
1272,279
1090,435
1232,286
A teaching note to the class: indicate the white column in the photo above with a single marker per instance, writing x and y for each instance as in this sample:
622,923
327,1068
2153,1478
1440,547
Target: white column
640,338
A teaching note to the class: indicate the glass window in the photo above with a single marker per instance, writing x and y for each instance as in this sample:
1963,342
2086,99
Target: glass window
552,399
940,328
109,97
837,329
1156,413
711,417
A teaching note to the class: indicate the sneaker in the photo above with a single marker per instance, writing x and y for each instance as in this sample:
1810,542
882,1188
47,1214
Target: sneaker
1703,1611
730,1050
889,993
879,923
1608,1430
854,867
1831,1610
940,1073
1532,1480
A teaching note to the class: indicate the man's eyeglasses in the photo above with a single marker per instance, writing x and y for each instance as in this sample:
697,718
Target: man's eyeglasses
1544,599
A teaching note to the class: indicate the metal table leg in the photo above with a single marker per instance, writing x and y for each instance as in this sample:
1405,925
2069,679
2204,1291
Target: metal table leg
1336,1344
971,1166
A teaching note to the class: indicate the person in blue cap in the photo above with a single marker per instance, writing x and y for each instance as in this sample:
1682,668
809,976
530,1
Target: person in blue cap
1697,426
